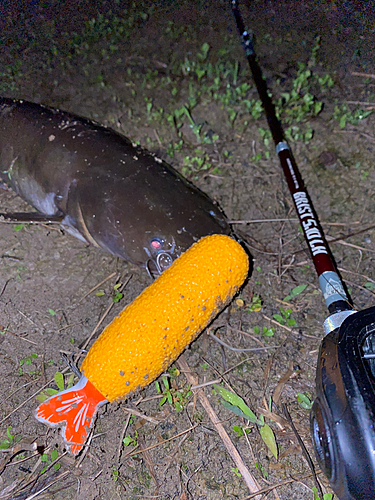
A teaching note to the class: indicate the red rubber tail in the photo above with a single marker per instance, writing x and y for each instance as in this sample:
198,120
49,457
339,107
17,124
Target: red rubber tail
74,410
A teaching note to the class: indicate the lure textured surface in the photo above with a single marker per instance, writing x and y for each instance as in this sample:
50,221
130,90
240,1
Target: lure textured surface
108,192
150,333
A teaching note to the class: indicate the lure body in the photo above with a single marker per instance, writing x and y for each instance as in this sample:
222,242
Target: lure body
150,333
108,192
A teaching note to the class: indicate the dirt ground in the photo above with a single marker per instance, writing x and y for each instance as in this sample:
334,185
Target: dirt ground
133,67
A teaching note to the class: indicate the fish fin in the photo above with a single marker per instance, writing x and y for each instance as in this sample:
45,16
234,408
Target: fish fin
74,409
31,217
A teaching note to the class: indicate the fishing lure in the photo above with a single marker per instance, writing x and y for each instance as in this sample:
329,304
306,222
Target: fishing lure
149,334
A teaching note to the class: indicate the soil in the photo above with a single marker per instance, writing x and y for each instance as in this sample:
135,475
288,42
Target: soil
53,53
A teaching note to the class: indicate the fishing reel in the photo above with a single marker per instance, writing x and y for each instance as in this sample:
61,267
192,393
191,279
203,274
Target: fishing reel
343,414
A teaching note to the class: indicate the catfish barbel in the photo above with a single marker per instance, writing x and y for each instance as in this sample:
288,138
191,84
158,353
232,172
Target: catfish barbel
108,192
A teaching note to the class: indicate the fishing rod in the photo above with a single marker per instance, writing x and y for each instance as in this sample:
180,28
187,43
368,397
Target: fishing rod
342,419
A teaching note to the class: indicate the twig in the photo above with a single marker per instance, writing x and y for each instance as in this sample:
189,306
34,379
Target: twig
236,349
165,441
97,286
361,103
351,283
266,490
4,287
4,330
85,449
341,239
129,416
55,461
232,450
59,478
287,266
256,221
281,384
280,421
290,330
133,411
70,326
341,269
149,463
345,224
366,75
205,384
173,453
24,315
345,243
242,332
305,453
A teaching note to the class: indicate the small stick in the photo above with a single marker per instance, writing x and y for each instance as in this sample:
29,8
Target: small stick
305,453
341,269
266,490
85,450
137,413
281,384
342,242
295,332
366,75
4,330
98,285
250,481
255,221
361,103
129,416
149,463
205,384
242,332
237,349
59,478
56,460
165,441
173,453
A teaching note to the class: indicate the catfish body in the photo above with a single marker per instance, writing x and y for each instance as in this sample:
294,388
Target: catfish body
109,192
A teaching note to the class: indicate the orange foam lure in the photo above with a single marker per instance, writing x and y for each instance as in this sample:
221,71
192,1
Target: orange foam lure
149,334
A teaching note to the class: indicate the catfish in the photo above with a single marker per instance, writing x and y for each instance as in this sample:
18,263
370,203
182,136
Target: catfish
104,189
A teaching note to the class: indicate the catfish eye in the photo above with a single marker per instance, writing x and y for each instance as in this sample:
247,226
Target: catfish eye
156,244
